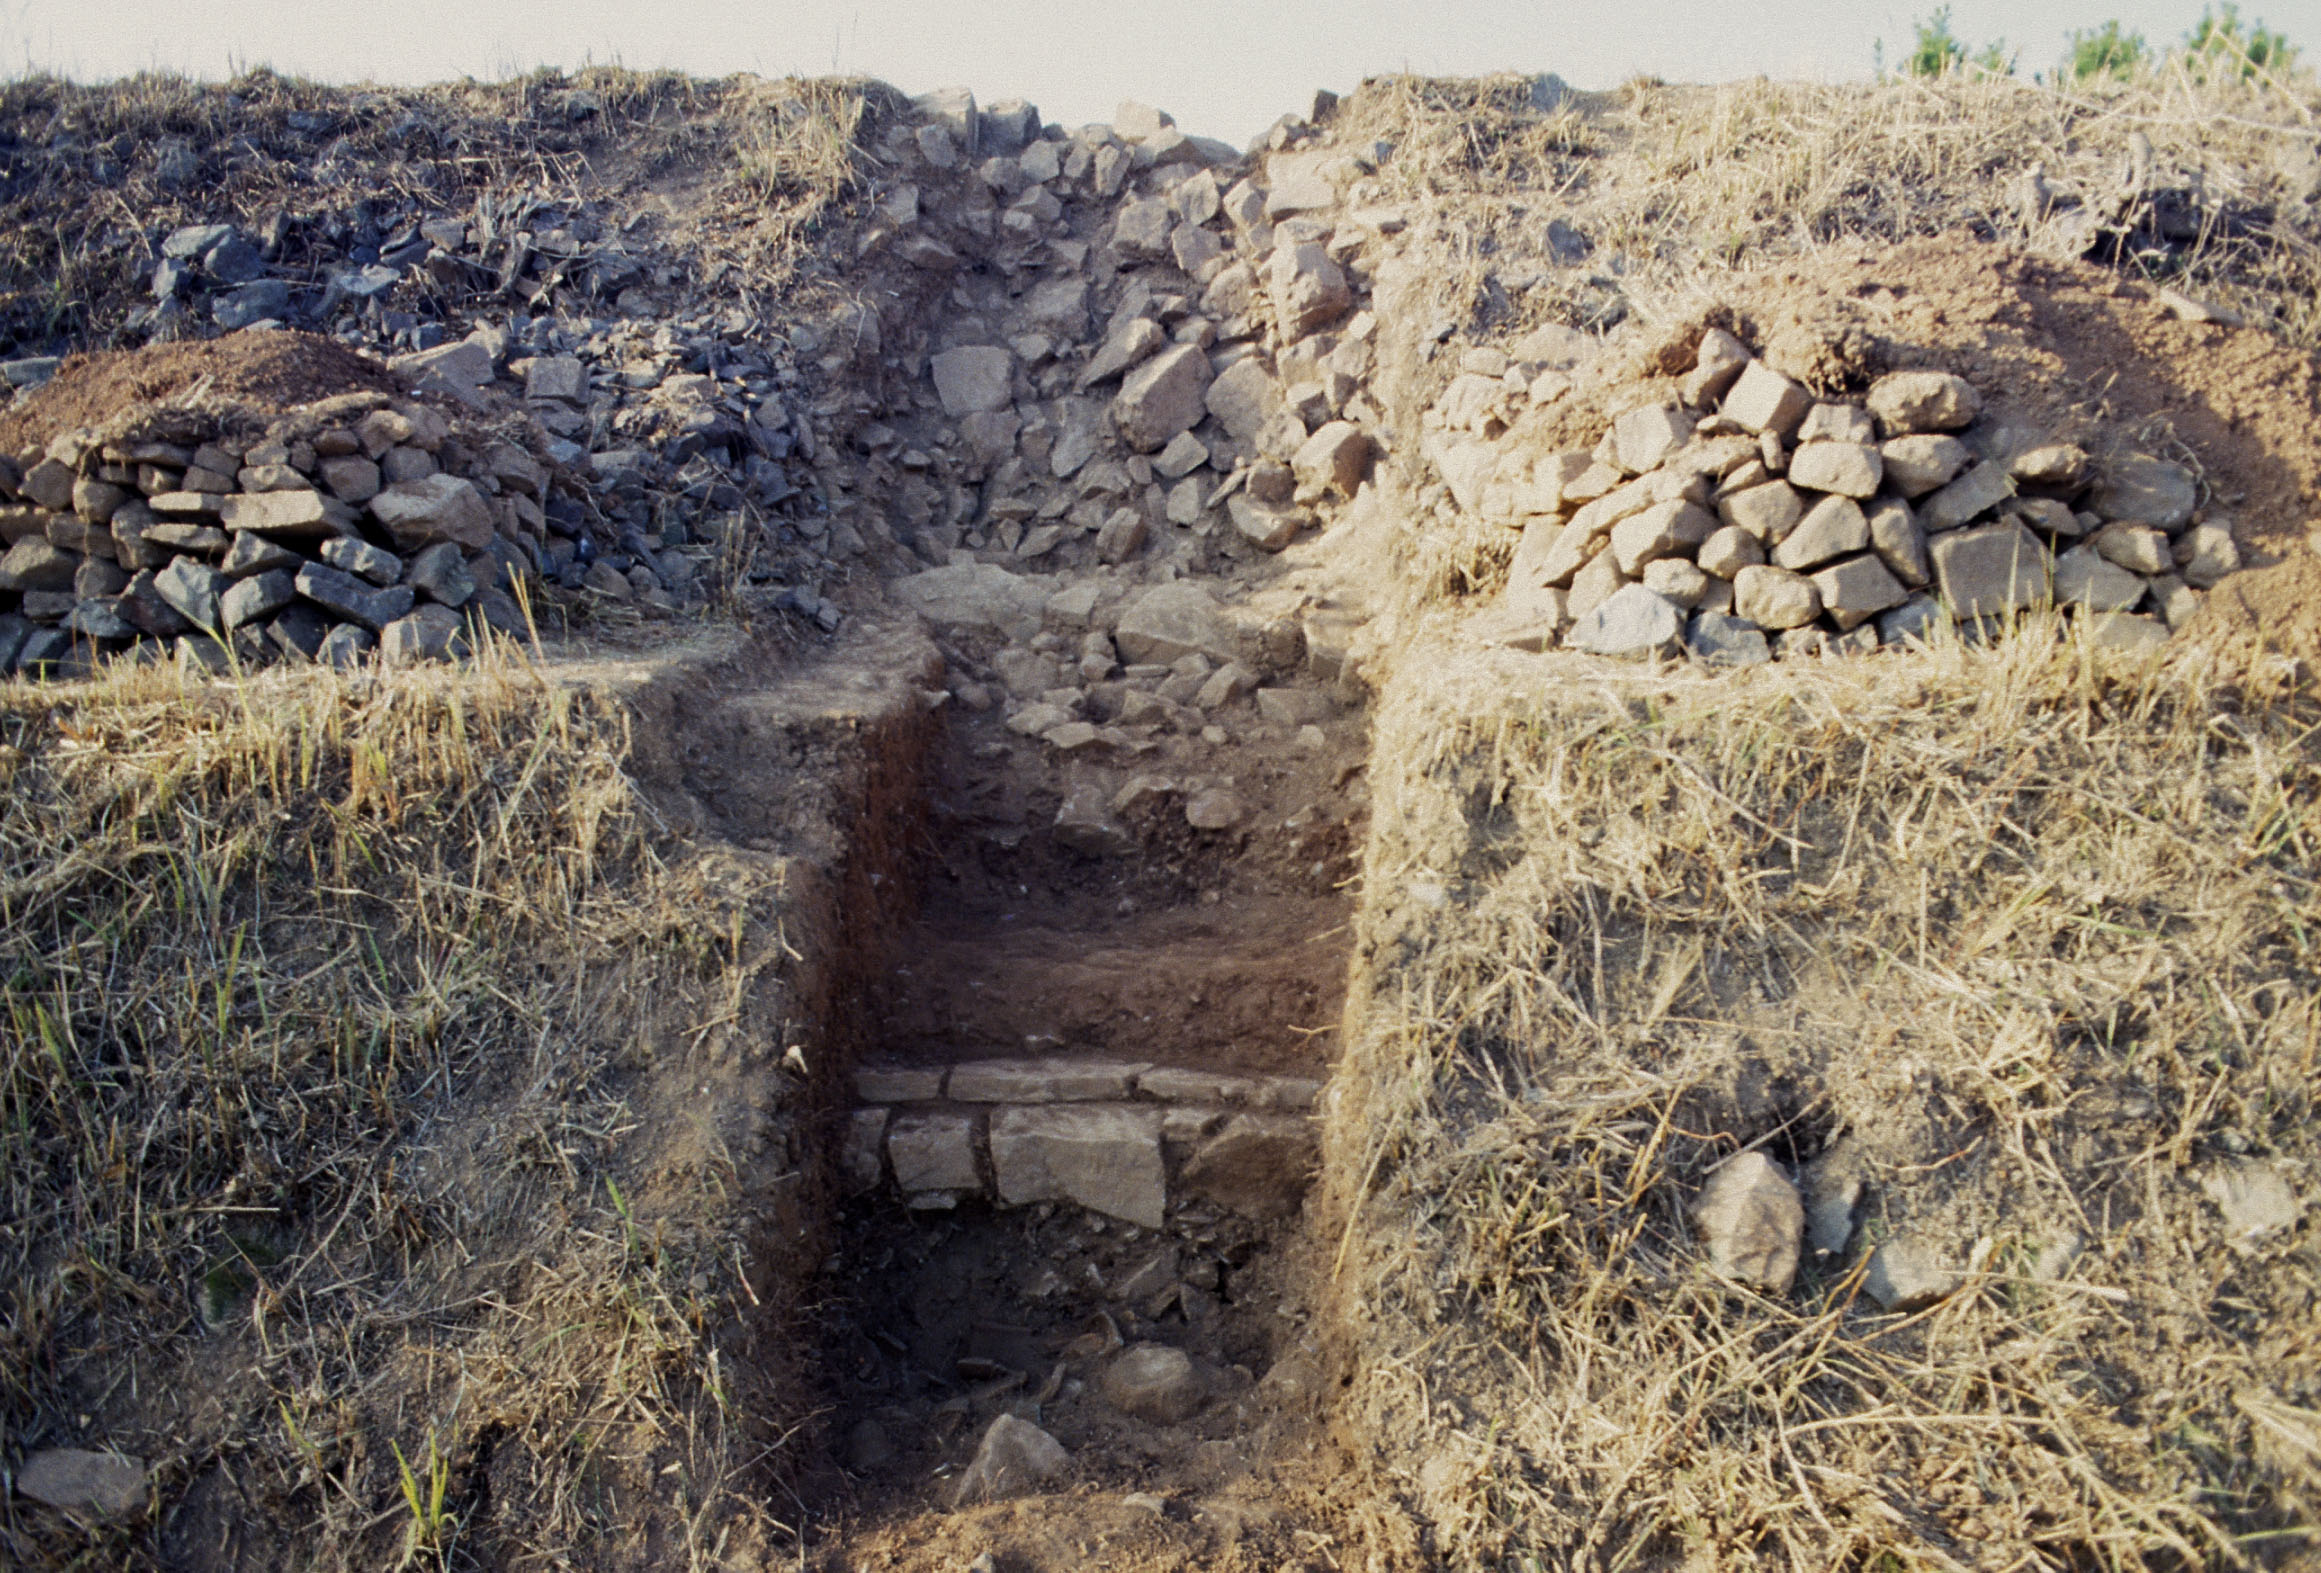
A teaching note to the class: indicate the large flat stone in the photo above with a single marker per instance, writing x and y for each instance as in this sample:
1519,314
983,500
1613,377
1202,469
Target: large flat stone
933,1152
898,1083
1043,1081
1259,1165
294,515
976,595
1992,569
1104,1157
1171,621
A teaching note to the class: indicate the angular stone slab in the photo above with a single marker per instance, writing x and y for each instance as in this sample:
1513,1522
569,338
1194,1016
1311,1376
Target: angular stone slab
1992,569
1752,1222
933,1152
1977,491
291,515
2143,490
1173,620
1105,1157
1259,1165
78,1480
898,1083
345,596
1043,1081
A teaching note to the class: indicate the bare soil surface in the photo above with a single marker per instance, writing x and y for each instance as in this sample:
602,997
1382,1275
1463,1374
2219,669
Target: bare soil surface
265,371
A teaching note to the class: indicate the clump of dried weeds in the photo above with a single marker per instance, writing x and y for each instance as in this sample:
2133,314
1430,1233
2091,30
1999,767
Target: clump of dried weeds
2024,937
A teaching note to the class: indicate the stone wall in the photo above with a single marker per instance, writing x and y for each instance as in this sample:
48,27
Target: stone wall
1128,1139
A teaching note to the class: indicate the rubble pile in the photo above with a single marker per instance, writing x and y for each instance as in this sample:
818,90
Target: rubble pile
358,523
1069,370
1750,520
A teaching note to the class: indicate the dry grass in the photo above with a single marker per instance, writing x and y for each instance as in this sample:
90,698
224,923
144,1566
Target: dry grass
2032,936
800,157
325,1003
81,165
1669,182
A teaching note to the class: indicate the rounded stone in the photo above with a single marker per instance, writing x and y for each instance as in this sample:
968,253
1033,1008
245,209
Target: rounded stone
1154,1382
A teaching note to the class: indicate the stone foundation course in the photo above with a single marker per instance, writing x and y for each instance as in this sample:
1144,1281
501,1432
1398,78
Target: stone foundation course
1130,1140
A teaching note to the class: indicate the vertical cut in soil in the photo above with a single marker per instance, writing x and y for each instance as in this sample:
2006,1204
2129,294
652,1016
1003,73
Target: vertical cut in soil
1084,1124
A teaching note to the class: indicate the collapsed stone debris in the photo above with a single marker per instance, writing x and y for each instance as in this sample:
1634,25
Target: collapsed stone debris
1754,520
360,523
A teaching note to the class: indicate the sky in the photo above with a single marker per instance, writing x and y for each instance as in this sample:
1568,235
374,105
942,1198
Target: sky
1223,68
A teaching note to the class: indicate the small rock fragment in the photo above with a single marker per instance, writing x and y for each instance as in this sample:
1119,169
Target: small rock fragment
1013,1458
78,1480
1907,1274
2256,1201
1751,1220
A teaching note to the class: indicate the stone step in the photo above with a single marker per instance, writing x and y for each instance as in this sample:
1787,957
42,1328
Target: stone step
1128,1139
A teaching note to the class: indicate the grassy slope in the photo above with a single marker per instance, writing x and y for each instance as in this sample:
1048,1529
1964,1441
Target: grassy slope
324,1013
1674,185
2039,934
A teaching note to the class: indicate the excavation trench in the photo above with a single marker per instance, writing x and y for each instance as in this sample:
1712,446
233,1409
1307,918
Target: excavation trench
1075,1150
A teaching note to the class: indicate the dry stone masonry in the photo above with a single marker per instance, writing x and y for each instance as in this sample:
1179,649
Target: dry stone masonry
1104,366
1126,1139
359,524
1754,520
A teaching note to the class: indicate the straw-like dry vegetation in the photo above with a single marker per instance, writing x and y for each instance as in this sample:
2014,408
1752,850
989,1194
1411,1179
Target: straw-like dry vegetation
324,1005
1673,185
93,175
2023,939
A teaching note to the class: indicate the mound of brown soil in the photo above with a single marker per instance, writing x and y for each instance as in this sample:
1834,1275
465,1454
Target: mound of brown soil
267,372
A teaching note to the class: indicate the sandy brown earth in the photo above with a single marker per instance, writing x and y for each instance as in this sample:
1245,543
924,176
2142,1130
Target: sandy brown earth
268,372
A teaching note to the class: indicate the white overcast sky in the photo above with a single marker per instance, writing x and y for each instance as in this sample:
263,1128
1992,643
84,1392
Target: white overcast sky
1225,68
